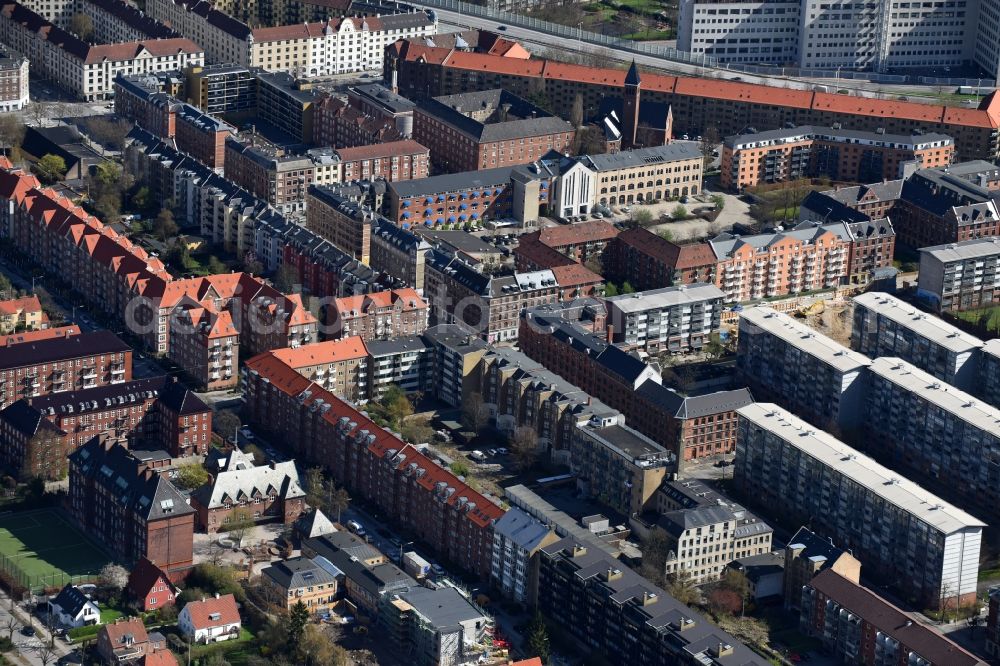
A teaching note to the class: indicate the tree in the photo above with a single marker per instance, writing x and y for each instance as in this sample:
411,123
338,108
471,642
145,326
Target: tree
680,213
11,625
317,488
179,256
82,26
338,501
253,266
164,225
226,422
627,288
215,266
719,201
642,217
475,413
38,113
240,523
318,649
114,577
709,140
524,447
538,638
610,289
681,587
191,476
665,234
298,618
50,168
108,206
576,113
286,279
396,405
590,141
109,133
737,582
11,132
723,601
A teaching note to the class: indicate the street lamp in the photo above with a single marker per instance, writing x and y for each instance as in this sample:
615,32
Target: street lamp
33,278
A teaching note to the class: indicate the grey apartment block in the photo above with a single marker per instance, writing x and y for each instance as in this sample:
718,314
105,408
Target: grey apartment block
905,536
887,326
676,319
942,436
960,276
812,375
988,387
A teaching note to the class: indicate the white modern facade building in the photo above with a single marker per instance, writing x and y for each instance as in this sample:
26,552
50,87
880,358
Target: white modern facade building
516,538
907,538
676,319
862,35
14,94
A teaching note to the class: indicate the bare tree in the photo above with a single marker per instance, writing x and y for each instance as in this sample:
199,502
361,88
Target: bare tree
475,413
82,26
11,132
241,523
11,625
524,447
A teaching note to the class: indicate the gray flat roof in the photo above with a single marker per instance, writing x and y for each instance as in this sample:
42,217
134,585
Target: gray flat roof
925,325
878,480
673,152
805,338
970,249
666,297
945,396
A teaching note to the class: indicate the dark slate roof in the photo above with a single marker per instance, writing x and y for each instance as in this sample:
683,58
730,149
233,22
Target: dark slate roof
298,572
111,466
180,399
56,349
409,343
71,600
823,207
916,636
633,78
815,546
451,109
756,567
622,363
375,580
937,191
444,607
452,182
664,613
714,403
22,417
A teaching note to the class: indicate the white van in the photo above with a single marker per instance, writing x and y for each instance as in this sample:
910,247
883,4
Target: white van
478,456
356,527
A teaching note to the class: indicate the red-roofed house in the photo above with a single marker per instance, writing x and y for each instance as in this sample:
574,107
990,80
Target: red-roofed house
149,587
372,463
380,315
124,641
577,241
22,314
340,366
210,620
576,281
647,261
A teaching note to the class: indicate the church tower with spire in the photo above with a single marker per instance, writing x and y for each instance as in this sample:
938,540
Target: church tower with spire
630,107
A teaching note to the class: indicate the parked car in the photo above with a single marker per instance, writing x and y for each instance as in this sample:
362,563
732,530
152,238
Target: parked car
356,527
27,630
502,451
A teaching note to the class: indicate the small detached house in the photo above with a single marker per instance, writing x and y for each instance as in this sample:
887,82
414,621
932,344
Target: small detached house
124,641
210,620
72,608
149,587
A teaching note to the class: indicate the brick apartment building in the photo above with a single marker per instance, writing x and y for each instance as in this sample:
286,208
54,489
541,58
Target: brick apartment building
579,242
33,369
280,179
454,521
843,155
648,261
458,293
690,427
340,366
399,253
450,198
208,348
13,82
37,336
486,130
378,102
156,413
134,511
273,493
781,460
808,554
420,70
939,206
960,276
395,160
873,201
858,626
380,315
345,223
337,122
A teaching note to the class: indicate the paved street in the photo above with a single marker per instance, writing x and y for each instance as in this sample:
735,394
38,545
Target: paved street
30,649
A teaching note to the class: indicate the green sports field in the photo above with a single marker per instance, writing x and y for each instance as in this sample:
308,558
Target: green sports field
42,549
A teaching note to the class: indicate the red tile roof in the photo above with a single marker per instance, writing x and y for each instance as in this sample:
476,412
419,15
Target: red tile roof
35,336
382,150
575,275
202,612
27,303
331,351
540,255
362,303
160,658
692,255
575,234
130,50
987,115
122,627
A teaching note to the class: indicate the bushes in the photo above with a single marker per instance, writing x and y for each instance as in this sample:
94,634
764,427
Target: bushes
78,634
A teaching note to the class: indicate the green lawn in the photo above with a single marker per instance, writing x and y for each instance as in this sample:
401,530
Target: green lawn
990,317
42,549
109,614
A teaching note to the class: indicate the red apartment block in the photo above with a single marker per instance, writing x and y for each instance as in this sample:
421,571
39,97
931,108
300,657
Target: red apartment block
396,160
380,315
428,500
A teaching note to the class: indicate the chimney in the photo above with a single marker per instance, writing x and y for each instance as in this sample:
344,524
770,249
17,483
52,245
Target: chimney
504,110
216,595
611,331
